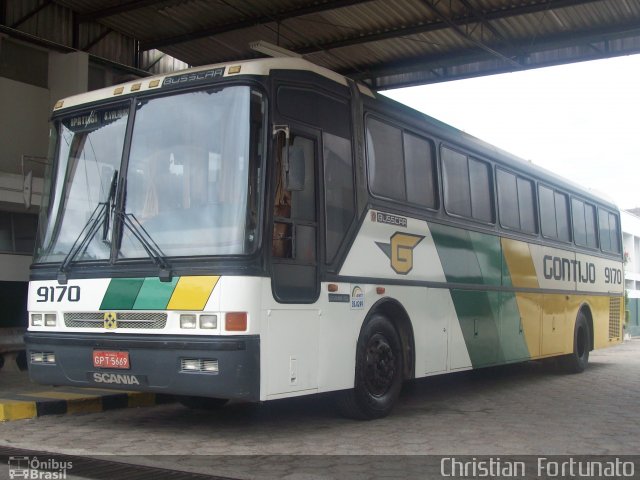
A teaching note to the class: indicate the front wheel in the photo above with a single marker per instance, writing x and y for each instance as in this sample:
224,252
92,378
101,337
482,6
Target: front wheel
577,361
378,375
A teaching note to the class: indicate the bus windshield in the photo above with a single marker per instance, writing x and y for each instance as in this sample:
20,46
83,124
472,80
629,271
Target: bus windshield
192,176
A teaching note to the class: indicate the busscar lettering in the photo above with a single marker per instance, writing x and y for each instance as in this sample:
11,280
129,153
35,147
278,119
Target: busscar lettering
390,219
568,270
194,77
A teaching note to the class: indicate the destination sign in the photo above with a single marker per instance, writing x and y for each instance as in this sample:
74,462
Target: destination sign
95,119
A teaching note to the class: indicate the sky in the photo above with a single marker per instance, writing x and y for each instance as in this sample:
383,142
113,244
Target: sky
581,120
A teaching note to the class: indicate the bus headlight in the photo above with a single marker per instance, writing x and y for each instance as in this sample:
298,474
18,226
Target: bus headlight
209,321
50,320
36,320
187,321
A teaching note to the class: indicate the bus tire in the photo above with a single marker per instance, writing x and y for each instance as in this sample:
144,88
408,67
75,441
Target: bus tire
202,403
577,361
378,375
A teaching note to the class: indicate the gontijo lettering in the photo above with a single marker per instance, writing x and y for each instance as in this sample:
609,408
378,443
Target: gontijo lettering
568,270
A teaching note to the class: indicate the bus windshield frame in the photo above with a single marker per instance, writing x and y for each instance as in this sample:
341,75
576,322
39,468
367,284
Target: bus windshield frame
188,166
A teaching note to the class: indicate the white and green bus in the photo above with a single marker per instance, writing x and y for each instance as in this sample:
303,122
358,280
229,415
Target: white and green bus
266,229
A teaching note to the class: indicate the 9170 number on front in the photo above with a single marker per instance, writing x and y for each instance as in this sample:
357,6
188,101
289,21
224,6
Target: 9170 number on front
59,293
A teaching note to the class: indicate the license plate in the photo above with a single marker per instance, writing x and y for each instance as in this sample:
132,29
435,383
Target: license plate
109,359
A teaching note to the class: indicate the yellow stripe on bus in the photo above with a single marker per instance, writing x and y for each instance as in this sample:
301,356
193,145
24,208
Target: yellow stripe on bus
192,293
520,263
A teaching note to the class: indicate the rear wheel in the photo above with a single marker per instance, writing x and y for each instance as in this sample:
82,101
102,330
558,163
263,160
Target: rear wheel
378,376
577,361
202,403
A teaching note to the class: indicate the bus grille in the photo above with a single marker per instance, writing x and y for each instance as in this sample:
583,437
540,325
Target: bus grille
151,320
614,317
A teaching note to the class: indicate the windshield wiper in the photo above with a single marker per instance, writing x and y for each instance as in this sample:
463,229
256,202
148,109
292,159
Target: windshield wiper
99,217
153,250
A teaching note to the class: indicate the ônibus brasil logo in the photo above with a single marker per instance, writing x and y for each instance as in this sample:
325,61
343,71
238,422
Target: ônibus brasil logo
38,469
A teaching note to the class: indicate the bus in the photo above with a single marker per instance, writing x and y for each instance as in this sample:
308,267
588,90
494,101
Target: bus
266,229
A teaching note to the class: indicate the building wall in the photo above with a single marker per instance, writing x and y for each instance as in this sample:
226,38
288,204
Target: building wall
631,246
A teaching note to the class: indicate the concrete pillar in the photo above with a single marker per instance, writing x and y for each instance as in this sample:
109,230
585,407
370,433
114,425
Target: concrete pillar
68,74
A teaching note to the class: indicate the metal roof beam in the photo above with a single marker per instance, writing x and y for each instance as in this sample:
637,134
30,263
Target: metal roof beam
32,13
97,40
251,22
512,11
117,9
479,15
431,6
583,39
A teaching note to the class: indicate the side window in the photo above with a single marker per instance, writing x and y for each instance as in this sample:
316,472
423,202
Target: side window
554,214
516,202
316,109
591,226
609,231
562,216
615,232
338,180
419,171
386,164
468,190
584,223
455,176
526,206
481,191
507,193
290,239
401,165
547,212
579,224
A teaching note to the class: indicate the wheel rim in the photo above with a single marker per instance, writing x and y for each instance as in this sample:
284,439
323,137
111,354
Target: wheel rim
380,365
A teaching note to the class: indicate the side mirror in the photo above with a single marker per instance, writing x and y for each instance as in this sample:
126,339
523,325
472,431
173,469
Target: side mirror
294,178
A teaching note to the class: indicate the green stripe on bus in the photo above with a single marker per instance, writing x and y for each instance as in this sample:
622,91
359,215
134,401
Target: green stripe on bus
468,257
121,293
154,294
479,324
491,326
513,341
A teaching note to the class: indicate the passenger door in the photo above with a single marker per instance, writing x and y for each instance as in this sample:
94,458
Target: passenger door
294,252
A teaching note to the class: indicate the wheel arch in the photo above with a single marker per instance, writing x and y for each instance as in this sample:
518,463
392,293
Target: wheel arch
585,309
398,316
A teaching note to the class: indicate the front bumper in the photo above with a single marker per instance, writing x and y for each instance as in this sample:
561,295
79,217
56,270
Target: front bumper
155,363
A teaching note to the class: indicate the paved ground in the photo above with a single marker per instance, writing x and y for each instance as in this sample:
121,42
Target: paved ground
520,409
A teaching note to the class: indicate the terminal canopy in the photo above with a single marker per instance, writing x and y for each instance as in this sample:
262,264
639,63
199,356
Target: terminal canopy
383,43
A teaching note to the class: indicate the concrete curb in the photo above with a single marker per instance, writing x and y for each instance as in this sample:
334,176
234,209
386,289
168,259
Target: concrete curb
56,402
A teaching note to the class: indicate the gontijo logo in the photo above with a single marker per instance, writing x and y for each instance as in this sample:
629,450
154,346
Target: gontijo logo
400,251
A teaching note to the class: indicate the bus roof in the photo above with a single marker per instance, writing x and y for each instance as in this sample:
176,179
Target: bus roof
230,69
